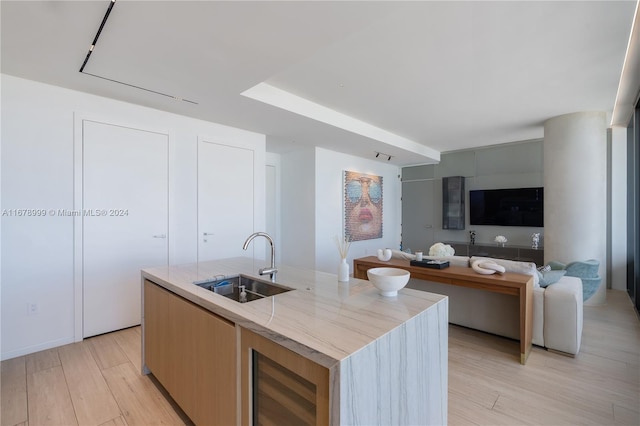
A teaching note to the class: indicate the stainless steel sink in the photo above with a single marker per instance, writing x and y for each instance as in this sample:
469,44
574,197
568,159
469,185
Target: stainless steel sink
232,287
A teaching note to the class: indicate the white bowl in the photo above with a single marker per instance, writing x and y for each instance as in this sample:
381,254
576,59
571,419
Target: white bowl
388,280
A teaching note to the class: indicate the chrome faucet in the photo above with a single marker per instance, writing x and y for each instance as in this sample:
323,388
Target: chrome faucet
272,269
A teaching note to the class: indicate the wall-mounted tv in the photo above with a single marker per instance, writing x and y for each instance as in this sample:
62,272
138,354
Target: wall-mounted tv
507,207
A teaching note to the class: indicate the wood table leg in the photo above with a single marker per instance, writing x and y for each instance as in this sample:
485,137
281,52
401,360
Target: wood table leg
526,320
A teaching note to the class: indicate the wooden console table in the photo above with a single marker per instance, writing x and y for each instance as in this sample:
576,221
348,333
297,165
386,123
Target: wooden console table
517,285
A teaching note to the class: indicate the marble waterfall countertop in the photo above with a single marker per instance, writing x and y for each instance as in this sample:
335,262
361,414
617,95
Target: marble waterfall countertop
323,320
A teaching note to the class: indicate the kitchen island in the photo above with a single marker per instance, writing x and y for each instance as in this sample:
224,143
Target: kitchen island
352,355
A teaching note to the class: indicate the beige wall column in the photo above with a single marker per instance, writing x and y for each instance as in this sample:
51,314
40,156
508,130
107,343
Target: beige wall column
575,194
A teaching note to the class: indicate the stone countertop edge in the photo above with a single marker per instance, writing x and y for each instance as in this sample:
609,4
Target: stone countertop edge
322,319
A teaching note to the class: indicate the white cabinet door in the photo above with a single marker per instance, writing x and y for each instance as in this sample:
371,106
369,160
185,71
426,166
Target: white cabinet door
225,199
125,221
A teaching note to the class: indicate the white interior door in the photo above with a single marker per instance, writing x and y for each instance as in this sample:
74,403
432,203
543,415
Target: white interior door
225,199
125,221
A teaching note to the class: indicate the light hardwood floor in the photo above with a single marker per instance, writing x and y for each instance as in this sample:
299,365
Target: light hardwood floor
98,381
600,386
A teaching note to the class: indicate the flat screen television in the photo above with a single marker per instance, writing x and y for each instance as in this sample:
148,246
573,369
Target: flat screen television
507,207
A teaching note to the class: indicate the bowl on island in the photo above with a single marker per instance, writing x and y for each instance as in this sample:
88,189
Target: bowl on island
388,280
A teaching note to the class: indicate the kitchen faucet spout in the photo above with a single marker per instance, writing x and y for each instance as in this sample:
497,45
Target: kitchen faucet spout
272,269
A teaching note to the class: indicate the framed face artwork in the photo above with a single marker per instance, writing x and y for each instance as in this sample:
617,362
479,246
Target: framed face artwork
362,206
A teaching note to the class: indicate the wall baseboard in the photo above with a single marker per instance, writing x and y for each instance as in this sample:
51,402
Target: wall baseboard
37,348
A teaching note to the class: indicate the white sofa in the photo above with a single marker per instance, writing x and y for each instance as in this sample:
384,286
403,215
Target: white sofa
557,309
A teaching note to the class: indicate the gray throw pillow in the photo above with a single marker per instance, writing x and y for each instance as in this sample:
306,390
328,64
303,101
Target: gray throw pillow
550,277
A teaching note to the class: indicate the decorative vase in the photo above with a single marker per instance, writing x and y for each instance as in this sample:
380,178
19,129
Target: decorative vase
343,271
535,240
384,255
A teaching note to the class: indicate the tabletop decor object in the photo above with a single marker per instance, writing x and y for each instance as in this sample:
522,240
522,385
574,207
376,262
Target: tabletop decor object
433,264
500,239
388,280
384,255
535,240
440,249
487,267
343,266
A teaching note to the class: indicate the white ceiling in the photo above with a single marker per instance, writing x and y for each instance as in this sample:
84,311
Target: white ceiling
436,76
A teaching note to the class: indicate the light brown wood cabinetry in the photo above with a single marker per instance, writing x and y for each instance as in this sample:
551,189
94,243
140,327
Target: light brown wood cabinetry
192,352
156,342
281,387
302,357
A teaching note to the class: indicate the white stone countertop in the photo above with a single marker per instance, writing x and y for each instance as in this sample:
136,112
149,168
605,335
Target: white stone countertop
322,319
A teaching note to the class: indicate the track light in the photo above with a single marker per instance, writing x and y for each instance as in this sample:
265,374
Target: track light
378,154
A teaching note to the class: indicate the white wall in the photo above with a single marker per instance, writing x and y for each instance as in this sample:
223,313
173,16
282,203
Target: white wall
312,207
329,207
298,208
273,202
37,173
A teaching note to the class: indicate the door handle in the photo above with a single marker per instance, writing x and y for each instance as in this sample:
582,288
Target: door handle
207,233
160,236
